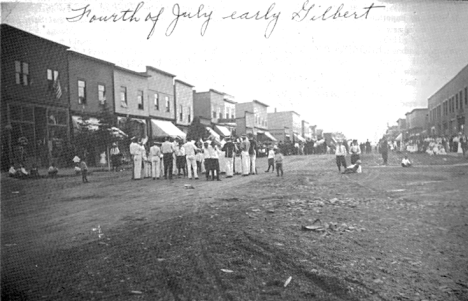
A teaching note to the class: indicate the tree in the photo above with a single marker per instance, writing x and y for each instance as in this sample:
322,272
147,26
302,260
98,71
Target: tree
103,136
196,130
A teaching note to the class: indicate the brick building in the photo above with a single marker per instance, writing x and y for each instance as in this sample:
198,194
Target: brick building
34,98
448,107
306,133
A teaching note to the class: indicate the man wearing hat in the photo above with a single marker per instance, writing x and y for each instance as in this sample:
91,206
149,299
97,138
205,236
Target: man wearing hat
167,149
115,157
229,149
155,158
134,149
245,146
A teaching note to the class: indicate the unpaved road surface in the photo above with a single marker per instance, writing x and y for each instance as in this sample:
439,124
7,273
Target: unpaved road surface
387,234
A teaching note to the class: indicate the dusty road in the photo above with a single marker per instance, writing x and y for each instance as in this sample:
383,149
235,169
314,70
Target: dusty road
386,234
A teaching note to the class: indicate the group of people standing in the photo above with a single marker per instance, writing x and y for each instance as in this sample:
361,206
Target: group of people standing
191,157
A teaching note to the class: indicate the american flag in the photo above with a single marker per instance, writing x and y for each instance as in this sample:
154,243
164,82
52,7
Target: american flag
57,89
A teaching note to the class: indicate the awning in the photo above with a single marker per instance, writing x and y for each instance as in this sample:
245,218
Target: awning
270,136
260,132
299,138
224,131
399,137
91,123
162,128
213,133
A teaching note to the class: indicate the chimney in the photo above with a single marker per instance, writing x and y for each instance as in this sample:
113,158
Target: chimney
275,110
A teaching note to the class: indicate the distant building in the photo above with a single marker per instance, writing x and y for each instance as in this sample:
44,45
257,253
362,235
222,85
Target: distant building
226,125
401,122
285,126
252,118
416,122
209,104
448,107
34,98
183,93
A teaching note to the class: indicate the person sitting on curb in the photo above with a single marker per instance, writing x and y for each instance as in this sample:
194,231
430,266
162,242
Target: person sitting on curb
355,168
406,162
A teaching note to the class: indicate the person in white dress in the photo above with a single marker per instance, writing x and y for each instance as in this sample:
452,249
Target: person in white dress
190,156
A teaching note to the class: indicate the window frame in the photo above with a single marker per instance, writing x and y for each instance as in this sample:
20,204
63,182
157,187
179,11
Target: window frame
156,101
140,100
168,104
82,100
181,113
123,91
22,75
104,98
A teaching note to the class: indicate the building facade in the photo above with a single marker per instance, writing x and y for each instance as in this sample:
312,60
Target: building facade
291,120
183,93
34,98
130,106
91,84
209,104
252,118
416,121
448,107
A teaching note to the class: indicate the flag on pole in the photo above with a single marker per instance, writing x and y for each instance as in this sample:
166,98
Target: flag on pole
57,89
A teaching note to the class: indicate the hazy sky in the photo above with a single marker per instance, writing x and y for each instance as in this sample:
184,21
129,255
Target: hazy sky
349,75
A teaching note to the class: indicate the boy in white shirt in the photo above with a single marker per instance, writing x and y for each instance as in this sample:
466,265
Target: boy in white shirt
405,162
271,159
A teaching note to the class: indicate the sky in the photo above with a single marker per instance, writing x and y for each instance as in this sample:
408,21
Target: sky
352,75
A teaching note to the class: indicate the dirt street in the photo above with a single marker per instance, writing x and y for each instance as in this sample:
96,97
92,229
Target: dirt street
390,233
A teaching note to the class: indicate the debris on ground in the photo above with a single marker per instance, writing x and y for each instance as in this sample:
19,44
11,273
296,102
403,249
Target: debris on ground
189,186
288,281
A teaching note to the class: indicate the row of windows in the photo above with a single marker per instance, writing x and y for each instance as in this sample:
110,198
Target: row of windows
82,93
451,105
181,113
140,100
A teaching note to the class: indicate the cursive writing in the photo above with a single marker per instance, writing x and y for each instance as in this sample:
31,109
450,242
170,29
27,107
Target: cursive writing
303,13
258,16
176,12
308,11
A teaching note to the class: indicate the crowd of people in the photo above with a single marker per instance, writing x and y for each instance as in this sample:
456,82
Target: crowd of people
177,158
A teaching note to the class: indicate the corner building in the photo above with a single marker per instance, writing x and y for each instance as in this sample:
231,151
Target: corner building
34,99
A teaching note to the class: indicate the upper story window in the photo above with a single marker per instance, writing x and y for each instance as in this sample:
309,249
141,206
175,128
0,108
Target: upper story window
52,76
219,113
461,99
140,100
156,101
466,96
22,73
214,113
102,94
168,104
181,113
456,102
189,116
81,92
123,97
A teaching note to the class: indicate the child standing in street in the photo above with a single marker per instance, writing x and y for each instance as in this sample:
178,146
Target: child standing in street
84,171
279,162
271,160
